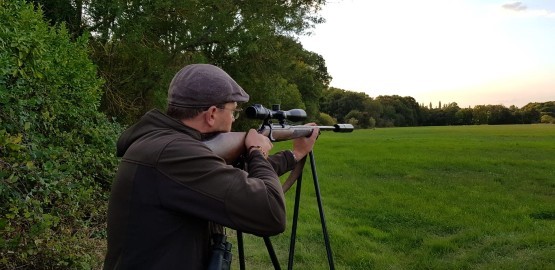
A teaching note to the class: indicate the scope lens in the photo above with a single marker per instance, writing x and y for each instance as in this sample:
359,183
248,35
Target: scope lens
257,111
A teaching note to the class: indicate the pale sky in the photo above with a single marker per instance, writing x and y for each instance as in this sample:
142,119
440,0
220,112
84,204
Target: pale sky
467,51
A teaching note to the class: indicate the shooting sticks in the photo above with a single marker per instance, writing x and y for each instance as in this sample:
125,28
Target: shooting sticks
267,241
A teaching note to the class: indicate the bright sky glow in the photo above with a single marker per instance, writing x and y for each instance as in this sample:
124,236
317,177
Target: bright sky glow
467,51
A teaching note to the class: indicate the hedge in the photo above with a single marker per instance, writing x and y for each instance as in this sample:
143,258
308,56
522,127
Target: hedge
56,149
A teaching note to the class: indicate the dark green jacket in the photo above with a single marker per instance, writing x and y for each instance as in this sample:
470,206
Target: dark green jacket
170,185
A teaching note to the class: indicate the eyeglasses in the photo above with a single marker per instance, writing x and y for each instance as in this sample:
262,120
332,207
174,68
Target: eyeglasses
234,112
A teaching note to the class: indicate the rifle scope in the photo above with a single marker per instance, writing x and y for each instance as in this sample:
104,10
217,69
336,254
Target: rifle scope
258,111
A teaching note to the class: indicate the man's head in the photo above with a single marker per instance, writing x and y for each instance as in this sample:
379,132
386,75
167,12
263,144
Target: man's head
204,90
203,85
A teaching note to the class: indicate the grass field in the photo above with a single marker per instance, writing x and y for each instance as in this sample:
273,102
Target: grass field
461,197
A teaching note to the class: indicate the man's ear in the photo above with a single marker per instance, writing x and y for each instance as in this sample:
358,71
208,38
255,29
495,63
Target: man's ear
210,116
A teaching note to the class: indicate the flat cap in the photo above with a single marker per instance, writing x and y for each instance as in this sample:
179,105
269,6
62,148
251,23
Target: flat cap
203,85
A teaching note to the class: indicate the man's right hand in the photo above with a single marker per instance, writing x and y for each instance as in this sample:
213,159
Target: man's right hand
255,140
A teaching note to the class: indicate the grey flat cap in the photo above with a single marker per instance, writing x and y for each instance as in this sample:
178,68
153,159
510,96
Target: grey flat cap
203,85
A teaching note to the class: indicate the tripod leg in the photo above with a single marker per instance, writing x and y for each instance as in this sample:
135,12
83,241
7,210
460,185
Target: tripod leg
321,209
272,253
241,250
295,219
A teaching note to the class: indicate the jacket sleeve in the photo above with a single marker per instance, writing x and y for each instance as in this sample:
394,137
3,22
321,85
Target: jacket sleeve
204,186
282,162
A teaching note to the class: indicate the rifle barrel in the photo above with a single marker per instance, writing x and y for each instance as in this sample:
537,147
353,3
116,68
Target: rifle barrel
278,133
338,128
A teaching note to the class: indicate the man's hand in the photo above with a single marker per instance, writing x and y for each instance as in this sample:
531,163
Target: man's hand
254,140
303,146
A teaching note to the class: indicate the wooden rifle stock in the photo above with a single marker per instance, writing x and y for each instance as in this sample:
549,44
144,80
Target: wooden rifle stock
231,145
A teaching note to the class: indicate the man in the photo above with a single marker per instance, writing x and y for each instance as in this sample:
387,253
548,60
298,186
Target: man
171,190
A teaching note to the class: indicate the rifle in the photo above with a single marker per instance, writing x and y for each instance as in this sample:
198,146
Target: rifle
231,145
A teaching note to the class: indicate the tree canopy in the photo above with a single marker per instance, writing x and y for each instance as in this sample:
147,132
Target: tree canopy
139,45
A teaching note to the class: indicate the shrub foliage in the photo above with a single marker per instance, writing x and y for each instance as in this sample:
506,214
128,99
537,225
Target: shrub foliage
56,148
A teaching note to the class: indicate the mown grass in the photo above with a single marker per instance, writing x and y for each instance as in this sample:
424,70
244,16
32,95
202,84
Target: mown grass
463,197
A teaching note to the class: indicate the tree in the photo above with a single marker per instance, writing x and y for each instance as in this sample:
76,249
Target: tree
463,117
480,115
69,12
403,111
362,118
450,111
373,107
139,45
547,119
533,111
325,119
286,75
372,122
338,102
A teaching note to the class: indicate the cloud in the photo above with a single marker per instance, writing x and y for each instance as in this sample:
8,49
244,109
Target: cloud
523,10
515,6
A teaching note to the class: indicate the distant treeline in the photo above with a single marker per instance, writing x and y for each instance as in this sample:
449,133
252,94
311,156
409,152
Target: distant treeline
388,111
